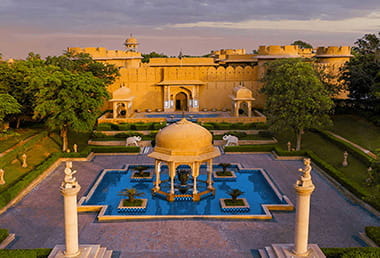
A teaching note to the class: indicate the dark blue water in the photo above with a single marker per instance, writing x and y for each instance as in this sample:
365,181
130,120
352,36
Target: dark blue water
256,190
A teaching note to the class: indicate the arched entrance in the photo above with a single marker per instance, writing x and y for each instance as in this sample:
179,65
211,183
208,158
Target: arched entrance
181,102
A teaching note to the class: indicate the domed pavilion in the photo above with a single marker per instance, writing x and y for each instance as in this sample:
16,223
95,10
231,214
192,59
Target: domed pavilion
183,143
122,102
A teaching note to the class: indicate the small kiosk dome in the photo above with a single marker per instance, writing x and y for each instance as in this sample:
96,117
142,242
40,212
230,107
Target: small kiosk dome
121,93
184,138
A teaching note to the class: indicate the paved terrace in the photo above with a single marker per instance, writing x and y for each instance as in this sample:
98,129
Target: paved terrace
38,219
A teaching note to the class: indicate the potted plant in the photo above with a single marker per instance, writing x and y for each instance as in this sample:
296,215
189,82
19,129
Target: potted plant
140,171
131,203
234,204
224,171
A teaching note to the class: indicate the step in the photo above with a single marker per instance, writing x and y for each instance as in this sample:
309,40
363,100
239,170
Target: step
108,254
263,253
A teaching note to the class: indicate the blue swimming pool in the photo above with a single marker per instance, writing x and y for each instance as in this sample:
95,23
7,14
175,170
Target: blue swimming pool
256,185
173,117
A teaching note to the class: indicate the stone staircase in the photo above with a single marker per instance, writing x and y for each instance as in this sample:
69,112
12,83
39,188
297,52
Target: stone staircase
86,251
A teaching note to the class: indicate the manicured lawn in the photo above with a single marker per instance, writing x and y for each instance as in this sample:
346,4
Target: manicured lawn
355,172
40,151
357,130
15,136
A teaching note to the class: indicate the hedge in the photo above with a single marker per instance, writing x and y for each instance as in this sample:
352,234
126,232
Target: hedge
115,149
359,252
22,253
374,234
250,148
3,234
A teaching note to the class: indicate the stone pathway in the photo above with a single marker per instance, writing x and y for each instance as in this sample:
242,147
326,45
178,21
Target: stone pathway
368,152
37,220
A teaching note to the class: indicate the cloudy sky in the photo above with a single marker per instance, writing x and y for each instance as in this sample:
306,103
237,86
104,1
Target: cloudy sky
166,26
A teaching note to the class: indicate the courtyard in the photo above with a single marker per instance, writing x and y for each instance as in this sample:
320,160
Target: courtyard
335,219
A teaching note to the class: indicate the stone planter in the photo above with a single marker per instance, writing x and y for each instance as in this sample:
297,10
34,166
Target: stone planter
135,178
132,209
224,178
240,208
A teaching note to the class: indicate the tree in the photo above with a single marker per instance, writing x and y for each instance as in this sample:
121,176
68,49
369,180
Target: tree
302,44
153,54
360,73
234,193
131,194
8,105
296,98
71,89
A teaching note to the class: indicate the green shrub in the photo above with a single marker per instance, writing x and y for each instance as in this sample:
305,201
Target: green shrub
3,234
23,253
373,233
222,126
208,126
98,135
351,252
237,134
250,148
158,126
128,134
115,149
124,127
104,127
268,134
260,126
142,126
281,152
242,126
115,127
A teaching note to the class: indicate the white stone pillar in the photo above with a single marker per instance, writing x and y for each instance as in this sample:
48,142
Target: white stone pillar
209,174
114,113
158,173
304,188
195,190
71,220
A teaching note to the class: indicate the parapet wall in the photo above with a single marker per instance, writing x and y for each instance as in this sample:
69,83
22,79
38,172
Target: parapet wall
334,51
278,50
103,53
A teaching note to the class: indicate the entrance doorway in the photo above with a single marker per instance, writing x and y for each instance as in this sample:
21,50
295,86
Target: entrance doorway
181,102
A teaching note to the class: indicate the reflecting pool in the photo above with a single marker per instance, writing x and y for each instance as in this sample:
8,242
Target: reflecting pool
259,191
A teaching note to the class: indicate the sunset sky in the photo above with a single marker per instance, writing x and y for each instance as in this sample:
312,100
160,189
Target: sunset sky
48,27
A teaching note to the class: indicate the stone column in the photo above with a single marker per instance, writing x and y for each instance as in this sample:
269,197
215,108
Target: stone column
158,173
304,188
69,190
114,106
209,175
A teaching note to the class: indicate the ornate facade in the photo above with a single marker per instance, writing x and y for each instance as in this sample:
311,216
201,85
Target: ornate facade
201,83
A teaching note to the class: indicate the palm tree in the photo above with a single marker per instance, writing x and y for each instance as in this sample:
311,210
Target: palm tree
140,170
131,193
224,166
234,193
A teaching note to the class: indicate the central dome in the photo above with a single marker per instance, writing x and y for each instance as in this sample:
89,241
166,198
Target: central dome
186,139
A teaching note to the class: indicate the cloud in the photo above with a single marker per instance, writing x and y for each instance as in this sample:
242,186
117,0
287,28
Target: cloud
359,24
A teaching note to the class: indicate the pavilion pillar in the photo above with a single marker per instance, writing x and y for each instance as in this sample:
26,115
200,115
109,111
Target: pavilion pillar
114,113
158,174
249,105
209,175
172,170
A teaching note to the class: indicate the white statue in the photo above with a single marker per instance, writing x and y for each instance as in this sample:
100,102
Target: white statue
345,162
289,146
2,181
69,181
75,147
24,164
305,179
231,140
132,140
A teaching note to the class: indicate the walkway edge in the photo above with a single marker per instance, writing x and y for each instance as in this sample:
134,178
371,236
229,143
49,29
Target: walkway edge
40,178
